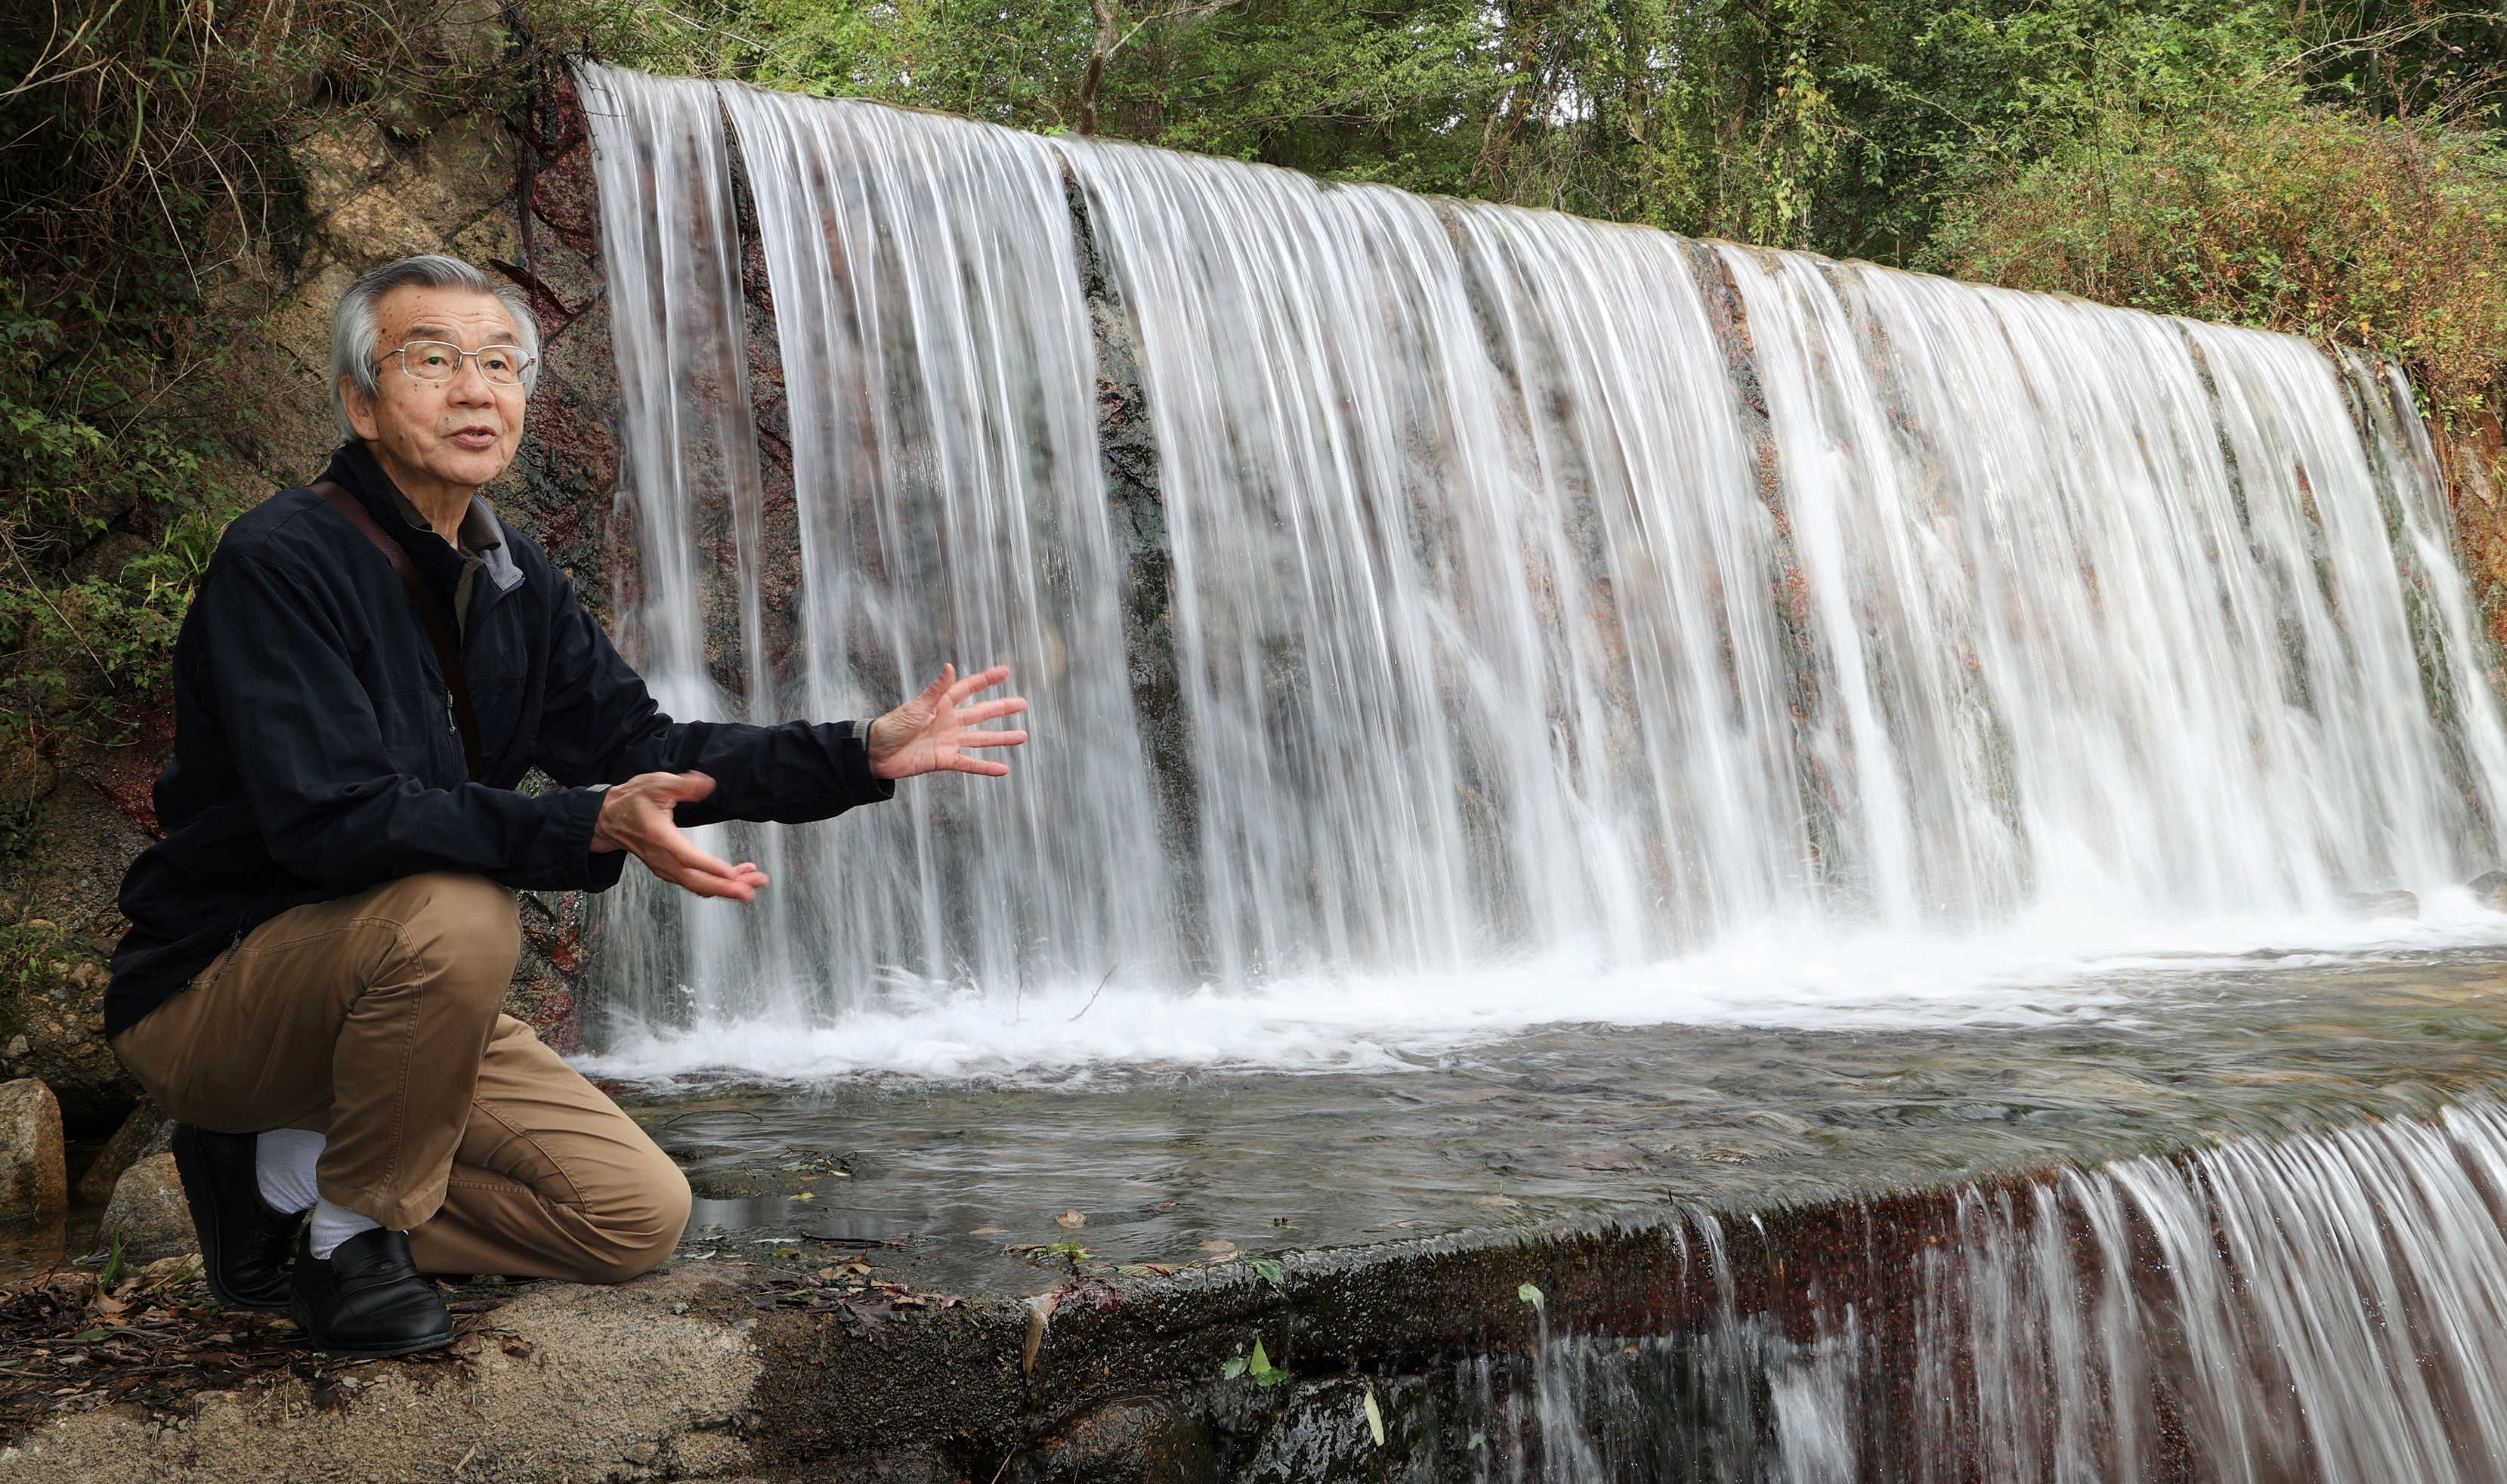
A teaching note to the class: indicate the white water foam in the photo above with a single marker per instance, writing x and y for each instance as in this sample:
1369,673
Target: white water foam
2047,969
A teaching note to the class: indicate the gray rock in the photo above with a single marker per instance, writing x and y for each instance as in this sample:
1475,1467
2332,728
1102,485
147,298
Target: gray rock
147,1207
2490,889
147,1130
33,1177
2384,904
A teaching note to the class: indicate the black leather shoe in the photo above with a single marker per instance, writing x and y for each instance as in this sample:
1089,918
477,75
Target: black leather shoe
244,1244
366,1298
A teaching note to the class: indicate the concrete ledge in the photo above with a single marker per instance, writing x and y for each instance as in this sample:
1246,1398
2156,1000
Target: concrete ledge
722,1371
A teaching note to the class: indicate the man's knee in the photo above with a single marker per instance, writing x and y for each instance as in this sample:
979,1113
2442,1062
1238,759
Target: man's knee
640,1224
464,930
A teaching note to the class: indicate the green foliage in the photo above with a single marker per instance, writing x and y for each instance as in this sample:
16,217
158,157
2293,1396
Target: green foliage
2369,232
21,827
88,452
1257,1367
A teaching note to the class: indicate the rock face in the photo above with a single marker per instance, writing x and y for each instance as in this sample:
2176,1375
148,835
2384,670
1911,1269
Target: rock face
33,1178
147,1209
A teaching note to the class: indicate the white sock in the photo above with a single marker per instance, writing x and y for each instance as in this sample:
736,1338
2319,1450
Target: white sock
333,1224
285,1159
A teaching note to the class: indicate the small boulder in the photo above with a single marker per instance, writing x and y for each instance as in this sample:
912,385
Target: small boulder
148,1209
2490,889
147,1130
34,1179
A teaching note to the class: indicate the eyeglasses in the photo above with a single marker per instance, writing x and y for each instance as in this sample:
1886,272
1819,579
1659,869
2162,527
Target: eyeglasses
433,360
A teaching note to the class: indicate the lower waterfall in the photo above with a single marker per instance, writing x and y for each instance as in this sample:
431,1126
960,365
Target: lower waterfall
2330,1307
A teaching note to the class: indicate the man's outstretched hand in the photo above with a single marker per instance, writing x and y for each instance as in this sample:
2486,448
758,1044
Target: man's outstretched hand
930,732
636,817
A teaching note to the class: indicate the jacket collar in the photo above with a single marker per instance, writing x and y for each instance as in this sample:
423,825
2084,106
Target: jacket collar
354,468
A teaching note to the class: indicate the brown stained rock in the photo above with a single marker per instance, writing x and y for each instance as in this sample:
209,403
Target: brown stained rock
148,1212
146,1132
34,1179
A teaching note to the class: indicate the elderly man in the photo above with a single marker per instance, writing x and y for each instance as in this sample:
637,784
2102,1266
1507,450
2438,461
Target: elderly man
320,944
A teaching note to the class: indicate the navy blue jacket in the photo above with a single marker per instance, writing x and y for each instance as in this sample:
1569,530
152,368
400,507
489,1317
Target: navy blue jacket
315,752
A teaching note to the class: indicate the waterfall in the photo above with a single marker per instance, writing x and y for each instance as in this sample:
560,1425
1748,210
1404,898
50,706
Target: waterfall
2331,1306
1456,616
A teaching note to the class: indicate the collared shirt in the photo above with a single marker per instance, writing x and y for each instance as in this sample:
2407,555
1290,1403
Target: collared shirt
480,535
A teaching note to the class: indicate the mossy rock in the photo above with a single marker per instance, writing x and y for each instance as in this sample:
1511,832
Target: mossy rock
52,1026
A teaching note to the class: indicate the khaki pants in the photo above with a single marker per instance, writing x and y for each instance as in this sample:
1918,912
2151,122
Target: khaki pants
373,1020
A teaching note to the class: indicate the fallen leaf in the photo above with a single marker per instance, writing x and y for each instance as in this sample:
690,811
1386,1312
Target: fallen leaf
516,1346
989,1231
1071,1218
1038,1309
1219,1245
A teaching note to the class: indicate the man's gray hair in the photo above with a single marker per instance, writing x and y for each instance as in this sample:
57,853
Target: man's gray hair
355,330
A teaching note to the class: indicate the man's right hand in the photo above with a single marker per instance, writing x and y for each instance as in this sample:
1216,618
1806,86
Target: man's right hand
636,817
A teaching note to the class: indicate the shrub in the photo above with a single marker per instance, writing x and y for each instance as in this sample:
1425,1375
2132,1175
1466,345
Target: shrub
2379,233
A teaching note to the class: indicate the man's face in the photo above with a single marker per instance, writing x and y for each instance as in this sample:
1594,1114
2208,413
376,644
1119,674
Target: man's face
455,434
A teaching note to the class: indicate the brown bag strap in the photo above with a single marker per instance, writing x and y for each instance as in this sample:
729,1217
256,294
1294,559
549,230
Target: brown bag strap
430,613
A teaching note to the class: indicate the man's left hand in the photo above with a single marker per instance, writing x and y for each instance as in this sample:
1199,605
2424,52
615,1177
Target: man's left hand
930,732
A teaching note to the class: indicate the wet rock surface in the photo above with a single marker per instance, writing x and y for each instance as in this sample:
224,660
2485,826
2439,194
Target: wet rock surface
962,1186
35,1177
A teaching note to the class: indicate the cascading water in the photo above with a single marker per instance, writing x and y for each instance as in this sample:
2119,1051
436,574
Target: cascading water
2330,1308
1442,617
